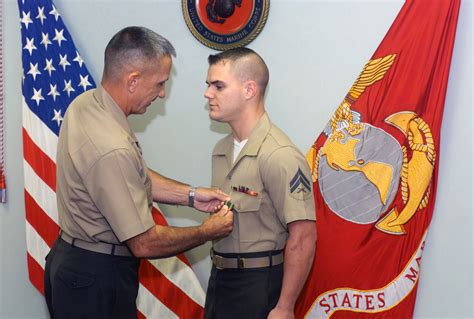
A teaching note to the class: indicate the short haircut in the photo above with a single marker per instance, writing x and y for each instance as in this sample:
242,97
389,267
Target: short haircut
134,45
247,64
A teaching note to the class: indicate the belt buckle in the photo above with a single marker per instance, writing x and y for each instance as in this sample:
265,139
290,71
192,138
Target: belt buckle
217,261
241,263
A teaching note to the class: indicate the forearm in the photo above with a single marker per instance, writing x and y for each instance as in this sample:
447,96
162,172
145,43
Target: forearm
168,191
164,241
299,254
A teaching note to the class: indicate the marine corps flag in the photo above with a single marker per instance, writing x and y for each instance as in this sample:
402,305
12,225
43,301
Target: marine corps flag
374,172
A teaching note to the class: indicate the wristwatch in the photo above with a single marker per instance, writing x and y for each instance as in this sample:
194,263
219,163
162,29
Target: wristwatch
191,194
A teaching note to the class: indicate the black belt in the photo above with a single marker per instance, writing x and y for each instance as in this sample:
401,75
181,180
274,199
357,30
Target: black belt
240,262
98,247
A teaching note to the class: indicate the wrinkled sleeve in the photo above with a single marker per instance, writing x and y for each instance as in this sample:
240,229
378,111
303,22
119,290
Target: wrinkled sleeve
287,179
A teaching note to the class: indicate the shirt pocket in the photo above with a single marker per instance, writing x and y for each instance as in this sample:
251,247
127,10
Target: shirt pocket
247,224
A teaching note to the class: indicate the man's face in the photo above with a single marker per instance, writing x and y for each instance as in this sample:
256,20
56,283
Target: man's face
225,93
151,84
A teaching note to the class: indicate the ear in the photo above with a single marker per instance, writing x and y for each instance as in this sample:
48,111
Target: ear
250,89
133,79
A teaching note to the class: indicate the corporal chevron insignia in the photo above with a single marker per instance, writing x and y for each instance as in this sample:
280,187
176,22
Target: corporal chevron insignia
300,186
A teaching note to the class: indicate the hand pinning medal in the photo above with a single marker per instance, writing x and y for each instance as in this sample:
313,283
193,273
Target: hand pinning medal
231,206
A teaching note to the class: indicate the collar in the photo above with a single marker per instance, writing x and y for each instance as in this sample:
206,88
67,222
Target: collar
258,135
108,104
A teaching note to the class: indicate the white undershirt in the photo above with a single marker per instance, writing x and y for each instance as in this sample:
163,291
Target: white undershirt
238,146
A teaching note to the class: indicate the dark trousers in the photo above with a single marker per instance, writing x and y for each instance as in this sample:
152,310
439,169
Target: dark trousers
82,284
243,293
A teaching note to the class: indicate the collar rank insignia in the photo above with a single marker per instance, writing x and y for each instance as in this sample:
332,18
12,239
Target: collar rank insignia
300,185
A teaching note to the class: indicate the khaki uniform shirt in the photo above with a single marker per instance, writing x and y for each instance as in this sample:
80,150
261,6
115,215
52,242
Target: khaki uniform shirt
269,184
103,189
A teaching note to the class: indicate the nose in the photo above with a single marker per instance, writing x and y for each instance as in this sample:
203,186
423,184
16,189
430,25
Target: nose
162,93
207,93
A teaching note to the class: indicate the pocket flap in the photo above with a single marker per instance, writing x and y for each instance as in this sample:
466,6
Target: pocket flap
245,203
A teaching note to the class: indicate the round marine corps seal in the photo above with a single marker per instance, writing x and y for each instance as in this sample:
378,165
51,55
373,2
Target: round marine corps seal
225,24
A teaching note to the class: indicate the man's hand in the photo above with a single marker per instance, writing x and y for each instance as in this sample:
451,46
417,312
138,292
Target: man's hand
209,199
278,313
165,241
218,225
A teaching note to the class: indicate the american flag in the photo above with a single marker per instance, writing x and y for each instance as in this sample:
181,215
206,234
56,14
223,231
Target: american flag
54,73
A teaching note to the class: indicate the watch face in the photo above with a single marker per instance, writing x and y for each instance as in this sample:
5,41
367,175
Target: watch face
225,24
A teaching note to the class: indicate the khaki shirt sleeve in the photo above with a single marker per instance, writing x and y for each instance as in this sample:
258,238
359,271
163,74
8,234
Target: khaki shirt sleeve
287,179
118,191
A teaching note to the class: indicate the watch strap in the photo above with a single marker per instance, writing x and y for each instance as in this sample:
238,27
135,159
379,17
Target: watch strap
191,194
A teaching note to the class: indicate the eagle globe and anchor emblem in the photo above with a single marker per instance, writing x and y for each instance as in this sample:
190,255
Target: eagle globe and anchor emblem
225,24
219,10
361,168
